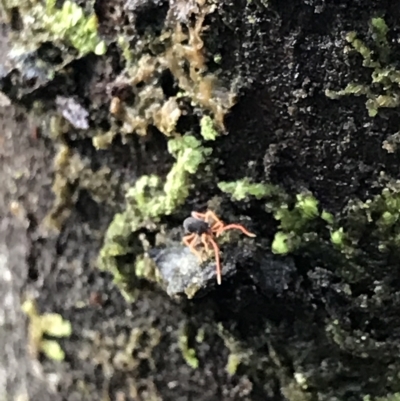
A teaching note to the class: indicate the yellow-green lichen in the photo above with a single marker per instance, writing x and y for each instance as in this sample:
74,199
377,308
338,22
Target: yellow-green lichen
67,25
383,91
50,324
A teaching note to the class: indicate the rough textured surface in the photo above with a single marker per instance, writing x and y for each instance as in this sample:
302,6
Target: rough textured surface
320,323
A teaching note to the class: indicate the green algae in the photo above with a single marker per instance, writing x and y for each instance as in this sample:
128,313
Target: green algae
383,91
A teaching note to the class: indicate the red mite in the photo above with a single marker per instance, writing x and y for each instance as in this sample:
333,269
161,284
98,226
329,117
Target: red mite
202,229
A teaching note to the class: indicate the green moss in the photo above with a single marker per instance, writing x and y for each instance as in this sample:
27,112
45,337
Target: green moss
146,268
384,88
150,198
146,202
208,131
188,353
377,218
242,189
123,43
70,24
238,354
280,243
328,217
296,218
51,324
67,25
295,222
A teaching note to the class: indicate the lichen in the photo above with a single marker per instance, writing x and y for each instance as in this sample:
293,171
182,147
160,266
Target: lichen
383,91
40,326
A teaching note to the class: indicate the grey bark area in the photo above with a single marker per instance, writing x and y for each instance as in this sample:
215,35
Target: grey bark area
318,321
21,378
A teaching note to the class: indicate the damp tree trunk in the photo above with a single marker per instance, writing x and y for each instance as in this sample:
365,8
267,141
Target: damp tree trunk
118,119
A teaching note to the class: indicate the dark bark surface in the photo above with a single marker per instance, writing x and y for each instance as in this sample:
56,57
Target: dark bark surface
320,323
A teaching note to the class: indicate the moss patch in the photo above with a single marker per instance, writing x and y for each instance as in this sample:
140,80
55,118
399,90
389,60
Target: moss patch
244,188
67,25
188,352
147,202
383,91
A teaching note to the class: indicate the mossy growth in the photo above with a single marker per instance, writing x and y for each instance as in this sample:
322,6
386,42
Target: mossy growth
244,188
383,91
150,199
188,353
67,25
377,219
208,131
40,326
295,221
71,174
238,353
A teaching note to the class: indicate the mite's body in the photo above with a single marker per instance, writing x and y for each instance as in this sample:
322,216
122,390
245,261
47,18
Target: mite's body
192,225
201,229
